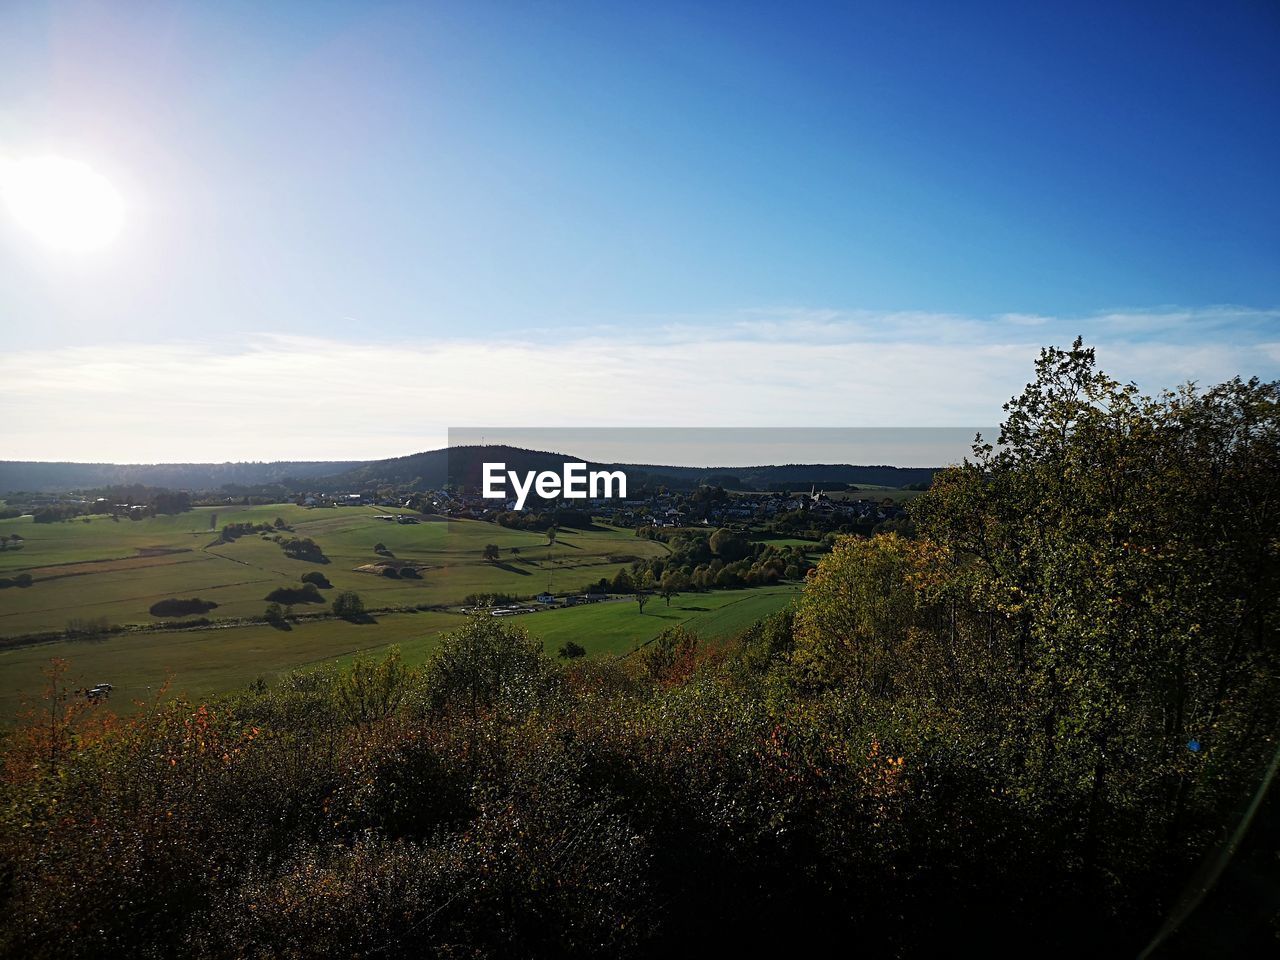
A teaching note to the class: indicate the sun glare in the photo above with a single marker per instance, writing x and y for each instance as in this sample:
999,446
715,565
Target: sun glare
65,203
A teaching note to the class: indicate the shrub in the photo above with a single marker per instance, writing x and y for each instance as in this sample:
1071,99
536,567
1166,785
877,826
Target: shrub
88,627
487,664
348,605
307,593
303,548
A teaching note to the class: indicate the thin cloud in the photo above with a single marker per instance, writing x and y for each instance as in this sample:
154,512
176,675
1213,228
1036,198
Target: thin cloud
288,397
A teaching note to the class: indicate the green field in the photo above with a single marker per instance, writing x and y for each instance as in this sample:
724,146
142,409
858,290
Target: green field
104,568
810,546
615,627
118,569
201,662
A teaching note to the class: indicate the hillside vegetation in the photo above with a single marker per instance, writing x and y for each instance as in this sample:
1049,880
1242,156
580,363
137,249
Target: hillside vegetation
1030,730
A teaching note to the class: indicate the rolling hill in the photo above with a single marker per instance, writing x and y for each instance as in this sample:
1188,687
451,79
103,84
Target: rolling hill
428,470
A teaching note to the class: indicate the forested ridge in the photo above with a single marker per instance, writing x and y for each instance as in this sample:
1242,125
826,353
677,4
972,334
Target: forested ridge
1030,727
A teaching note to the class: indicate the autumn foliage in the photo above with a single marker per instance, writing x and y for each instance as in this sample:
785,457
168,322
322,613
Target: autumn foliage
1026,730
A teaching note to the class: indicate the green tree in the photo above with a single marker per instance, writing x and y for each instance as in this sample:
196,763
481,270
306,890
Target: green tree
348,605
644,590
856,612
672,582
729,546
488,672
372,691
671,656
317,579
1117,552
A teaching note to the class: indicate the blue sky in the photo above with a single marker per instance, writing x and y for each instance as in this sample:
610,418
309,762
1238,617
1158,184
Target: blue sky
537,187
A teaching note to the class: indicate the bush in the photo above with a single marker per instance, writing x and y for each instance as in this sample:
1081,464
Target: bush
307,593
318,578
487,664
303,548
89,627
1028,727
348,605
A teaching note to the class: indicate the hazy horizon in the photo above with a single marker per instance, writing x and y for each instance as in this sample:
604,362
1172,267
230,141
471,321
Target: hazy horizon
689,447
331,231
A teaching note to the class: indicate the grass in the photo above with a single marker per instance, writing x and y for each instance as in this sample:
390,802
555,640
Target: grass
104,568
207,661
812,546
618,626
202,662
118,569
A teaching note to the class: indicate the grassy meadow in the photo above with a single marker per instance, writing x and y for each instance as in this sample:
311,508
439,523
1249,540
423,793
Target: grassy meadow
99,567
116,569
200,662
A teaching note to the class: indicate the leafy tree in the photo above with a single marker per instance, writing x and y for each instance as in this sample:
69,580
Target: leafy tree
644,590
856,613
1119,553
571,651
307,593
491,552
372,691
671,656
673,581
487,667
728,545
348,605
